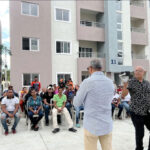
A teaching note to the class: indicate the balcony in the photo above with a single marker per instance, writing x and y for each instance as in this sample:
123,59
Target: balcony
138,9
92,24
139,36
90,5
91,31
142,62
137,3
136,29
91,55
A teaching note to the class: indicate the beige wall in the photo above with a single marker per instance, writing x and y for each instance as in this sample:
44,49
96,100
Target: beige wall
27,61
140,13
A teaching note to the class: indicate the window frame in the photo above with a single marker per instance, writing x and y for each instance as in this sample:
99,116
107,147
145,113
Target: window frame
84,52
63,47
55,8
57,73
29,9
30,39
27,86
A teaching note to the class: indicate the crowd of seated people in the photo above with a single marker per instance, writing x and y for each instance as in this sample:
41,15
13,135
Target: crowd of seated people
51,100
36,103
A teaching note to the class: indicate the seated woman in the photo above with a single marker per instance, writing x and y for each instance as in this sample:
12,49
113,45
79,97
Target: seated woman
35,109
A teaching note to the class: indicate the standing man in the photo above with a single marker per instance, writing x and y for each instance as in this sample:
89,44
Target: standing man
139,90
95,93
70,95
36,84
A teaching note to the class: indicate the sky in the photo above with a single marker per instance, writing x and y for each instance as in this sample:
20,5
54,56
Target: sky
4,18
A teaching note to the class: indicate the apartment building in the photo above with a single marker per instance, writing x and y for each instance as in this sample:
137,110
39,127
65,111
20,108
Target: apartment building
0,56
58,39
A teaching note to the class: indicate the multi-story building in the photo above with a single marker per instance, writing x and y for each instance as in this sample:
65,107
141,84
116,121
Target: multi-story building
58,39
0,57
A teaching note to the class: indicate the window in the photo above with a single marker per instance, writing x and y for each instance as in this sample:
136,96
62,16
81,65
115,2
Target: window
119,18
63,47
119,35
62,15
28,78
119,26
120,46
30,9
31,44
118,5
120,61
65,76
85,52
85,74
26,44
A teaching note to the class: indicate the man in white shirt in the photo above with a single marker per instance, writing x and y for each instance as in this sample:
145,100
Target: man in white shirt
10,106
116,103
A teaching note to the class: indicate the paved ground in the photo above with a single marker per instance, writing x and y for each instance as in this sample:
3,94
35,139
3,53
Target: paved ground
123,138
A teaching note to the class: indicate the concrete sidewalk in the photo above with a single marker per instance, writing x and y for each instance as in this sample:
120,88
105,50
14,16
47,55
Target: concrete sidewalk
44,139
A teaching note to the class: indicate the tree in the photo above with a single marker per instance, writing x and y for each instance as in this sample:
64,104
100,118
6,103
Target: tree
3,64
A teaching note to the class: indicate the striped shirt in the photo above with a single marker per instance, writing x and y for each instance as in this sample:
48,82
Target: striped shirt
96,93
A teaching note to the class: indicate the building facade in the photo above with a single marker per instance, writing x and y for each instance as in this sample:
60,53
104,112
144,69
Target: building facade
0,58
58,39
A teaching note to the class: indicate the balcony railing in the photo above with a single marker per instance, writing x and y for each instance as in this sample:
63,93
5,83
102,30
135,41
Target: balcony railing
138,3
91,55
139,57
92,24
136,29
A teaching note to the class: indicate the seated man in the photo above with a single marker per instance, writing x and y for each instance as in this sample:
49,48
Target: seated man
116,103
35,109
47,103
59,107
10,106
78,109
125,100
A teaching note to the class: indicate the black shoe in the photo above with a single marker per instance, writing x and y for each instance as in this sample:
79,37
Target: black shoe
36,129
119,118
47,122
72,130
56,130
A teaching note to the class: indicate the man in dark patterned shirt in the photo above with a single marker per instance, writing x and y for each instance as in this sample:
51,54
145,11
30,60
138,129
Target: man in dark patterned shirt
139,90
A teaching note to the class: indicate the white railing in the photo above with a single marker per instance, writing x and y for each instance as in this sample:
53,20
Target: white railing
92,24
139,57
136,29
139,3
91,55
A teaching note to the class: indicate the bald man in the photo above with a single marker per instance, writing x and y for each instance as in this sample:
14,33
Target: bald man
139,90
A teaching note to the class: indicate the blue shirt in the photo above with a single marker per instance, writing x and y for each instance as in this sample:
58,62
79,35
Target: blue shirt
35,104
96,93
